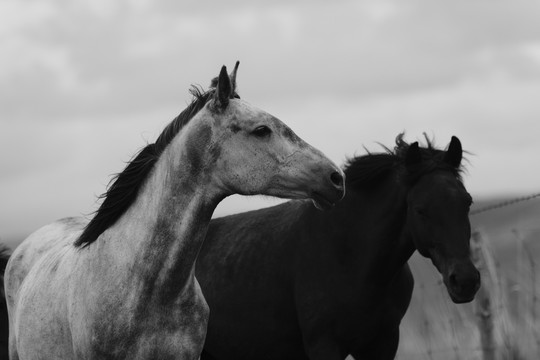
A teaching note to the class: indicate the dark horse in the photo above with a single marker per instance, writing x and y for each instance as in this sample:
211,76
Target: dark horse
292,282
4,328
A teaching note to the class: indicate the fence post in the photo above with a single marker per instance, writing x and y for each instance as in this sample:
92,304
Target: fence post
527,321
483,303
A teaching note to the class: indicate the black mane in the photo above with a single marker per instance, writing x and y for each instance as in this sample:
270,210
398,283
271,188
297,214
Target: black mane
124,187
370,169
5,253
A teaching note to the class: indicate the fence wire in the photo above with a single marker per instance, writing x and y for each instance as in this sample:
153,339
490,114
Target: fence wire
504,204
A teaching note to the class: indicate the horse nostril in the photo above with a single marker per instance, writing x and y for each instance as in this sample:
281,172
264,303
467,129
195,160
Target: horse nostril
336,179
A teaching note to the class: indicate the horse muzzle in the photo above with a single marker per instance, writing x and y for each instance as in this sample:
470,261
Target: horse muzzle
462,281
333,191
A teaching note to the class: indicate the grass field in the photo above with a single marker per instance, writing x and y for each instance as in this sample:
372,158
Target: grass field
435,328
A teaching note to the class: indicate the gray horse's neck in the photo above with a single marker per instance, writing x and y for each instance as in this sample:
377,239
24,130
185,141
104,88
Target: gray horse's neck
159,237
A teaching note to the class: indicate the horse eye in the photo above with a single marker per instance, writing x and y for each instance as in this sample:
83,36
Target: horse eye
262,131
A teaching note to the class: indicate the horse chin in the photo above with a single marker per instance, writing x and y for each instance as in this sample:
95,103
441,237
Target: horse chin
456,300
321,202
460,299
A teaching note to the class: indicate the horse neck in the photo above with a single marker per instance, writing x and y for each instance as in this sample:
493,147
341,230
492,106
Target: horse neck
159,237
374,230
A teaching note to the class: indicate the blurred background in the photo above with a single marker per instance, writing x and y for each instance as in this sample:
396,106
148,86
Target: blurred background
85,84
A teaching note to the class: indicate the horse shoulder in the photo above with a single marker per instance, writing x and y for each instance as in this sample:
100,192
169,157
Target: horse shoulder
401,291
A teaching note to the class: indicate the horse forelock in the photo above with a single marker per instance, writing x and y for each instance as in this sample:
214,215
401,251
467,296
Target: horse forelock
124,186
432,160
369,169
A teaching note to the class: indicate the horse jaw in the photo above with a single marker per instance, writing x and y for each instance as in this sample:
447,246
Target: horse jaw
321,203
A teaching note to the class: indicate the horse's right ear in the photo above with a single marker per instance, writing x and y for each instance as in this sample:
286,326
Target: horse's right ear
454,153
413,155
233,76
223,89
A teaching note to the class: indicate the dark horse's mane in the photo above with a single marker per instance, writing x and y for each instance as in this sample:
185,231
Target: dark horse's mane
5,252
124,186
4,256
370,169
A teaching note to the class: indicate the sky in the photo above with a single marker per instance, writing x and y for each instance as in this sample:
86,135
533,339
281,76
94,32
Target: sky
85,84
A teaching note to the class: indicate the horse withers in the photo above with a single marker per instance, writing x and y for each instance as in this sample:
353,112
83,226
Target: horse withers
122,286
290,282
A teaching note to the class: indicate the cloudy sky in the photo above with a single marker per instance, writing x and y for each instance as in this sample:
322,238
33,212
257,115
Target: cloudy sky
84,84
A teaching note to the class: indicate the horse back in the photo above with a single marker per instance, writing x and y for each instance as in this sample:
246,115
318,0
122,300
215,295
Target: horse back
34,247
261,239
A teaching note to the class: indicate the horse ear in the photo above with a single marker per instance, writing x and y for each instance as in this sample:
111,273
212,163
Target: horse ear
454,153
413,155
223,88
233,76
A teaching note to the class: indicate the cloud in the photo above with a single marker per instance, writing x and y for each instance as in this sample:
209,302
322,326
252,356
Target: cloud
104,59
85,84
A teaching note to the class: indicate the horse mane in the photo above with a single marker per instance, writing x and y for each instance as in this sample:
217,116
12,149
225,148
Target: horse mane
370,169
124,186
5,253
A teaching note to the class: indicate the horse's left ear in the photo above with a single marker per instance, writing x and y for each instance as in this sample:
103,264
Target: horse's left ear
223,89
454,153
413,155
214,81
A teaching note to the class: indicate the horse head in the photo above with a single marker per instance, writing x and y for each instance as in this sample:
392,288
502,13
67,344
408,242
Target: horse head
253,152
438,218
